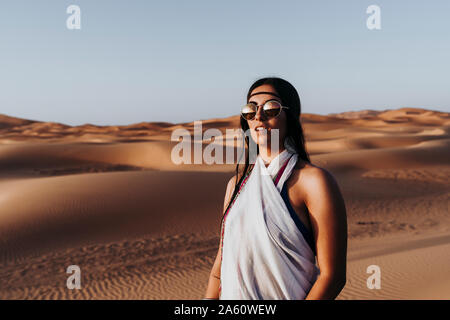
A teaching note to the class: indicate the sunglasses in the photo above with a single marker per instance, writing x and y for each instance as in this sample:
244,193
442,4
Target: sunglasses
271,109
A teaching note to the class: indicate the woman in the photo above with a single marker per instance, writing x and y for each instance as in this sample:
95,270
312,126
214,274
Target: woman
284,228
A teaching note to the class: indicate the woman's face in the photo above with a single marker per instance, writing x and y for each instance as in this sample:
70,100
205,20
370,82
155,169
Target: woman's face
263,138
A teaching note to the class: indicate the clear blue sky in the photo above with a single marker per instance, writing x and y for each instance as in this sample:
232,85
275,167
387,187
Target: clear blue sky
180,61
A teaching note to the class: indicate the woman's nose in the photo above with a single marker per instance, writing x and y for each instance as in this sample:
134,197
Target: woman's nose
259,113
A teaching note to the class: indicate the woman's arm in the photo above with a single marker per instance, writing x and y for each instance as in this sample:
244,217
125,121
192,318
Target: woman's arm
329,222
212,290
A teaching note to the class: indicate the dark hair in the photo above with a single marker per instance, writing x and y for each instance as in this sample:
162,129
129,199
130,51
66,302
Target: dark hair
289,98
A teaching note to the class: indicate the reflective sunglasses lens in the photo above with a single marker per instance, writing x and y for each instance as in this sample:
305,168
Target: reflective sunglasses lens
272,109
248,111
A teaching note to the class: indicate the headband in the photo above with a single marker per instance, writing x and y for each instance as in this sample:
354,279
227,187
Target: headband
263,92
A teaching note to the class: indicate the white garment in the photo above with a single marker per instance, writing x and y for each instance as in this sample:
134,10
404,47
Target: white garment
264,254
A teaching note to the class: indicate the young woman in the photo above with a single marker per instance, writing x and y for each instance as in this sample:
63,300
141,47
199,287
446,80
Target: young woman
284,227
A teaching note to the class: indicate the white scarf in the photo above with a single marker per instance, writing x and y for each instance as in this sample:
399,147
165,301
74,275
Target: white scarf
264,254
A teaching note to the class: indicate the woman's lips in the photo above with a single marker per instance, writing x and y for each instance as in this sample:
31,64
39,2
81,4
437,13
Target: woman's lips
262,130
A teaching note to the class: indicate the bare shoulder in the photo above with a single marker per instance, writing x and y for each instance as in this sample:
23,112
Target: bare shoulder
229,191
313,175
316,184
231,183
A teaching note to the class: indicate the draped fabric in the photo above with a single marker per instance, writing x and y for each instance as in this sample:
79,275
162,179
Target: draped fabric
264,255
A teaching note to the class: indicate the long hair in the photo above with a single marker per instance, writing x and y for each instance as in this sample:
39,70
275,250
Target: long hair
289,98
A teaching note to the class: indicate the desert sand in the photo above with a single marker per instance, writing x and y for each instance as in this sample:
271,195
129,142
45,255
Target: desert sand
110,200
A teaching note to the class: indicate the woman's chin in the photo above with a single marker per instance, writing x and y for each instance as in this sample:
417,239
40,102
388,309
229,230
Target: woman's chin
263,142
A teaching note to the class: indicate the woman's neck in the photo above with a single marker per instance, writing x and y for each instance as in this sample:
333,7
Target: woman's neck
267,155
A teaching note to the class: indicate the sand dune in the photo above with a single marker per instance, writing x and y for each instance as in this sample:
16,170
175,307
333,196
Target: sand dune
109,199
411,267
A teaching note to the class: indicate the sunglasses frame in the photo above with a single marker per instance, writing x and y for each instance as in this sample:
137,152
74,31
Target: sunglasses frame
258,106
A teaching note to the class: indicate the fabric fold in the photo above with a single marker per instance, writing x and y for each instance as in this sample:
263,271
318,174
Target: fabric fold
264,255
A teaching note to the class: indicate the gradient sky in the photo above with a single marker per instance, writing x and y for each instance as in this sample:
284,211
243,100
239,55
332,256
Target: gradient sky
179,61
